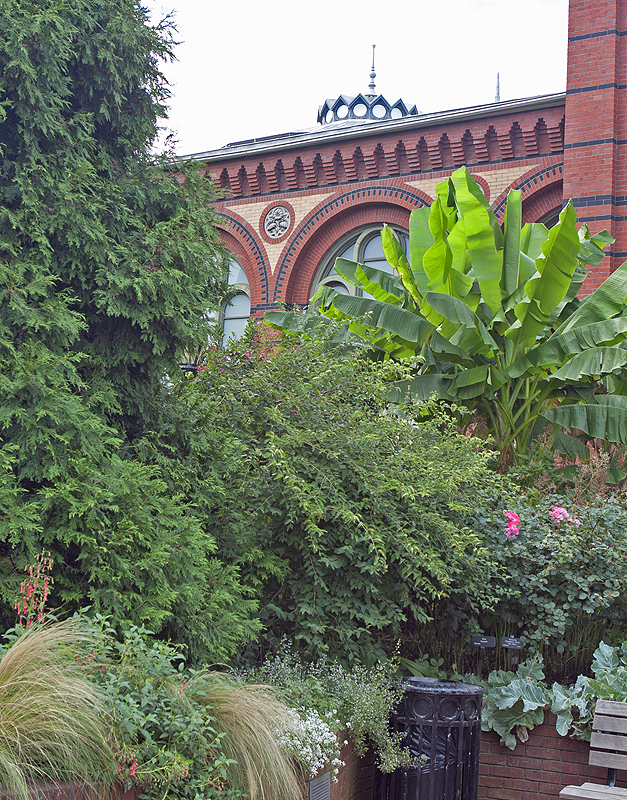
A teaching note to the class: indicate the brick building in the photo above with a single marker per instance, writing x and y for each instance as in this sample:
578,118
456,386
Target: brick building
294,202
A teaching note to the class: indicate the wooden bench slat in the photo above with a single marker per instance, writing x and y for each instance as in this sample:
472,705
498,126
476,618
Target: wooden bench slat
608,741
592,791
614,724
612,707
610,760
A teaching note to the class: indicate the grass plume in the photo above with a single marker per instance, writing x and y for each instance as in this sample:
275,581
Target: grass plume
248,717
51,725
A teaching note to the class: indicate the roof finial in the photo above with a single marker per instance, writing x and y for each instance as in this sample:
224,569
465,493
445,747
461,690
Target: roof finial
497,98
373,74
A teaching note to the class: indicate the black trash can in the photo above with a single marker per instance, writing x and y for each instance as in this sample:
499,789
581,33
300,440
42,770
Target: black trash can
442,720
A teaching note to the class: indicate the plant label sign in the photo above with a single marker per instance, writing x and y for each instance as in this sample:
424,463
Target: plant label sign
511,642
484,641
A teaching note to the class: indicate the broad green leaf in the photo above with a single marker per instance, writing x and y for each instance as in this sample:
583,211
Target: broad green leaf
396,258
410,326
484,238
559,347
591,251
470,382
607,420
556,266
390,284
592,362
369,282
438,259
451,308
420,240
605,659
422,387
570,446
511,250
604,303
532,237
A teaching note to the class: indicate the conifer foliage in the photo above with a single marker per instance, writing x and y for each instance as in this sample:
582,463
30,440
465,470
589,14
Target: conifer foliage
109,264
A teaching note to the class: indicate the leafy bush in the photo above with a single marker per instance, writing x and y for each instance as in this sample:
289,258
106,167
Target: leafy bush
563,578
357,700
514,701
609,667
177,730
343,516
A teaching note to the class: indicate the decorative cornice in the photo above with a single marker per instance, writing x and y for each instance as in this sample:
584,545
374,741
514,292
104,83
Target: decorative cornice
353,129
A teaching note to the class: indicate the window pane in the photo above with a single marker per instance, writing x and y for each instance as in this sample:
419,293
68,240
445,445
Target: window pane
234,328
374,248
347,254
238,307
339,287
237,274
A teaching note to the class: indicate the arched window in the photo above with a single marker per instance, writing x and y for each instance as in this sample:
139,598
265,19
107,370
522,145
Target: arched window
237,312
362,245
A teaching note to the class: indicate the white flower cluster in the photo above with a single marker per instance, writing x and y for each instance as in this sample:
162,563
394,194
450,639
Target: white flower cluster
311,740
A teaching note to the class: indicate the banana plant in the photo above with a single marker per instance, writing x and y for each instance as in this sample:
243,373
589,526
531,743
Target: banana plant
491,317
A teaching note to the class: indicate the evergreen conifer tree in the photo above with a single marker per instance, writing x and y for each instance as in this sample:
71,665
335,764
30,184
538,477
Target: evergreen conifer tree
109,265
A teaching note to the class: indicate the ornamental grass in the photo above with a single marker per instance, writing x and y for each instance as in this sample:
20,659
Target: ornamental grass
249,716
51,726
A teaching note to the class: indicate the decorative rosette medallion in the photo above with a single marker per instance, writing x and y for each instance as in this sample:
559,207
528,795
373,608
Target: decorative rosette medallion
276,222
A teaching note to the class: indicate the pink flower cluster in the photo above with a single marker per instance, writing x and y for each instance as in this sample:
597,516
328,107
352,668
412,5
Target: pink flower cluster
513,523
560,514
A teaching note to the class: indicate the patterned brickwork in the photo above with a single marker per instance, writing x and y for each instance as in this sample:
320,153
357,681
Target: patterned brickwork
595,146
490,140
337,185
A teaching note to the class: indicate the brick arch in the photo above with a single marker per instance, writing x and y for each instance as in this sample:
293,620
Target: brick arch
536,181
237,236
542,202
329,221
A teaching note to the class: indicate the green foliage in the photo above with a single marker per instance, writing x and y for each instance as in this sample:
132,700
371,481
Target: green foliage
494,317
514,701
342,515
609,667
109,263
177,729
359,699
51,722
564,583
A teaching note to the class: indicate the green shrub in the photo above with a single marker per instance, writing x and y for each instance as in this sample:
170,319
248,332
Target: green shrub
357,700
343,516
178,731
563,578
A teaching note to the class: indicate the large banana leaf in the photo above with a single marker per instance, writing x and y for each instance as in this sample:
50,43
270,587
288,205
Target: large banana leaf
555,266
511,250
396,258
423,387
388,287
604,419
594,362
560,347
411,326
604,303
438,259
484,238
420,240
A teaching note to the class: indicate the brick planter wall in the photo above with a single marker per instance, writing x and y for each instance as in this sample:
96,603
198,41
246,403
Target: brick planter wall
355,777
538,768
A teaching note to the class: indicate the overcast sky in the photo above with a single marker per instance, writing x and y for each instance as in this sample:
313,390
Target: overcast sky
251,68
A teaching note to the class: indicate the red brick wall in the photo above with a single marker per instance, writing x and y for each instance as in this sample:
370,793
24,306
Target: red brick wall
536,769
355,777
595,147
